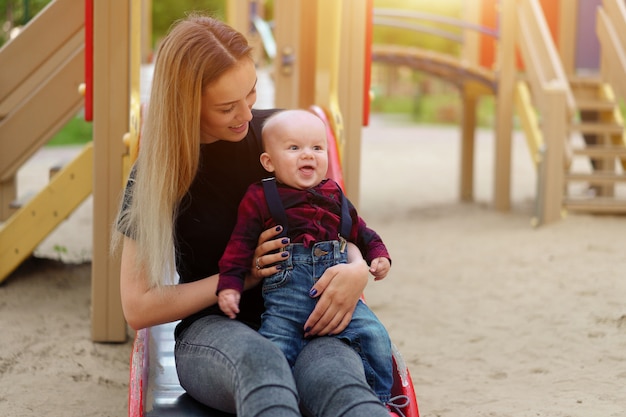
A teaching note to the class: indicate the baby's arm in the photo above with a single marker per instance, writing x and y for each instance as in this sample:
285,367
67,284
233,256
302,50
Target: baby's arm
379,268
228,301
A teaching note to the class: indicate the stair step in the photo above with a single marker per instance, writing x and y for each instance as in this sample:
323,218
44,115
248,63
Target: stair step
606,205
598,128
594,104
597,177
584,82
601,151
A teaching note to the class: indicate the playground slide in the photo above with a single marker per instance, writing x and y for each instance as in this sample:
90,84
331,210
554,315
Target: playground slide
154,389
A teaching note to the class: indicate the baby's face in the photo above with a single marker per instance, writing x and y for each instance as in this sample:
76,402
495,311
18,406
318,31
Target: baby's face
298,152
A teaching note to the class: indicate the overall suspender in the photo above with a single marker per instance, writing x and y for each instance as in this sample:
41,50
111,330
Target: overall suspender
277,210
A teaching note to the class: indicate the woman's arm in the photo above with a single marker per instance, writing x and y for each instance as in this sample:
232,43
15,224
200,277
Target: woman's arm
146,306
339,290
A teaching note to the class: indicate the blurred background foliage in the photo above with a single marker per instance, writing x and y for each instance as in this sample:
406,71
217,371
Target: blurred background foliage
16,13
166,12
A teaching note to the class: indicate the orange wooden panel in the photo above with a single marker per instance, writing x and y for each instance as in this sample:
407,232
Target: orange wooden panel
551,12
487,45
489,19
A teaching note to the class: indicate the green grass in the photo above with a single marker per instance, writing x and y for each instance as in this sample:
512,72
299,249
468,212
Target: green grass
76,132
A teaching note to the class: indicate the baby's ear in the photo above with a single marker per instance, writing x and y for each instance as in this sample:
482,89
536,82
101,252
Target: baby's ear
266,161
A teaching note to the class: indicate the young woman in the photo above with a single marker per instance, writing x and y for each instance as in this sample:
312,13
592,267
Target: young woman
199,152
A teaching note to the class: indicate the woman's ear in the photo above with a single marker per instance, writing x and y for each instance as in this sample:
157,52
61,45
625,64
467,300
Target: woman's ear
266,161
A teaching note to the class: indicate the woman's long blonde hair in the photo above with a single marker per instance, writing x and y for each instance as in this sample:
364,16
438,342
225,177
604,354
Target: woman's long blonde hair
195,53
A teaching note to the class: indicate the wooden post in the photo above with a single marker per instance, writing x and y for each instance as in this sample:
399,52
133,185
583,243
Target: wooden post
568,20
554,132
238,15
351,75
110,123
468,128
296,50
307,53
470,51
289,55
504,105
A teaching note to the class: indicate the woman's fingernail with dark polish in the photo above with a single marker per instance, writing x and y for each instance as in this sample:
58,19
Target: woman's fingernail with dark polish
279,228
284,254
279,267
313,292
308,329
284,241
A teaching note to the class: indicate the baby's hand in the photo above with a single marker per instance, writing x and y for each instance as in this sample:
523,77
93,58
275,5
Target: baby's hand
379,268
228,301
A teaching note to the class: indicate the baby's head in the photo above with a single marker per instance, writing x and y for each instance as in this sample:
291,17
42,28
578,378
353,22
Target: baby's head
296,148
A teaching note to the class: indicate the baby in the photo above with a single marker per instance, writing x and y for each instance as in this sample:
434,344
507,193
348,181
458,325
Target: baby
319,221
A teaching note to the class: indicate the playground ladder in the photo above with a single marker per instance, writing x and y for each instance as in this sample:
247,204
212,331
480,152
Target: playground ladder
573,126
601,125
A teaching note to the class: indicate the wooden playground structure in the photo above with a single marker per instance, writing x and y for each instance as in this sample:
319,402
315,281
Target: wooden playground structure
87,54
531,55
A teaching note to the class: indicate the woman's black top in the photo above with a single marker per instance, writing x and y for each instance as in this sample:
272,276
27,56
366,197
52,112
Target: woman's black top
208,212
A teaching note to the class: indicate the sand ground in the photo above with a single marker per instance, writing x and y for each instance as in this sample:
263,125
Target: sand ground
493,317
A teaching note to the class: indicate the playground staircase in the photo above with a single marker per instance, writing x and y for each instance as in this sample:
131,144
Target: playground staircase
573,125
601,126
594,149
43,68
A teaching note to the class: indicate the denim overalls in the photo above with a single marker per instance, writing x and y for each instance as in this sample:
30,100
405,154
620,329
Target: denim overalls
288,304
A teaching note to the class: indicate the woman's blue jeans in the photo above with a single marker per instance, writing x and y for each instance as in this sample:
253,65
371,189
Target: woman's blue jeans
227,365
288,305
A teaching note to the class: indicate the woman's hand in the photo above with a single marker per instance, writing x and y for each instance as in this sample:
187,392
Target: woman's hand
339,290
265,261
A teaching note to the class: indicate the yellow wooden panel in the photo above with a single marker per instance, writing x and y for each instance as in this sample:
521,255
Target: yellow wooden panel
31,224
529,120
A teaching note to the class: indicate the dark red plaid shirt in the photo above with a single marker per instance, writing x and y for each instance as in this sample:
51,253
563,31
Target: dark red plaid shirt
314,216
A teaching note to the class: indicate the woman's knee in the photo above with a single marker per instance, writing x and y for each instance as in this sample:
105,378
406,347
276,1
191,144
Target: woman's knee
328,356
331,380
264,361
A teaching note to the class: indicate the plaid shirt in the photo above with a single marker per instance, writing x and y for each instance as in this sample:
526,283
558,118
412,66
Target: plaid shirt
314,216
